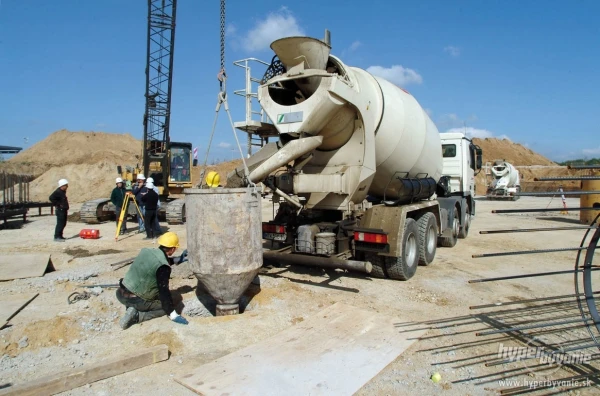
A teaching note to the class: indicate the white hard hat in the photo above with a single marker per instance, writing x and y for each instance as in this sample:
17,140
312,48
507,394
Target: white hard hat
141,177
149,185
118,180
62,182
149,180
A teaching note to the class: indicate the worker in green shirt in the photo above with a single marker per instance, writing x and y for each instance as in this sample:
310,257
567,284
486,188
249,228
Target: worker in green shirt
145,288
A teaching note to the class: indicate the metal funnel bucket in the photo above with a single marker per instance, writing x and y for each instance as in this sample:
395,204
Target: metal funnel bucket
224,234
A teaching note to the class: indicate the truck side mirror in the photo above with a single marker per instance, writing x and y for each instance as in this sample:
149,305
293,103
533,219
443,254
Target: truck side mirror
195,163
479,158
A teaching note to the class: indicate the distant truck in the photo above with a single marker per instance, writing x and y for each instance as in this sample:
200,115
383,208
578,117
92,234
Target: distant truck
503,181
358,172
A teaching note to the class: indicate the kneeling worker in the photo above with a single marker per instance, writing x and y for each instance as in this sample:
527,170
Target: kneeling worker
145,288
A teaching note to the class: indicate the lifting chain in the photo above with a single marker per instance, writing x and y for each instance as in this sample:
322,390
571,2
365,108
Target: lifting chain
222,76
222,100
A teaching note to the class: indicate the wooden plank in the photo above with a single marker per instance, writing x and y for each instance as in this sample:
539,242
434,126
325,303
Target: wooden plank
75,378
333,353
19,266
11,307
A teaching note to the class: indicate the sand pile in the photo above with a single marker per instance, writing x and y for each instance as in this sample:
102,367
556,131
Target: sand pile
66,148
88,160
515,153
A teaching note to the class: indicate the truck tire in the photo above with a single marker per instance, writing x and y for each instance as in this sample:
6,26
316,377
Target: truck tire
464,230
378,270
428,233
404,267
451,240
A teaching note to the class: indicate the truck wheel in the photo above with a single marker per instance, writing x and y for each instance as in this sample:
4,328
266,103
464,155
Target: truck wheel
428,233
378,263
451,240
405,266
464,230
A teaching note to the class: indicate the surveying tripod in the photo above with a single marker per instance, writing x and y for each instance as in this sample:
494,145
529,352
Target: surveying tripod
123,213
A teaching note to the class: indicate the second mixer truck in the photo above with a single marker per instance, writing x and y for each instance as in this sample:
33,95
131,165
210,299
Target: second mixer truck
358,169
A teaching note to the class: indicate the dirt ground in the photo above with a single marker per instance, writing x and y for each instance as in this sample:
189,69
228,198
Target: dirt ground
50,335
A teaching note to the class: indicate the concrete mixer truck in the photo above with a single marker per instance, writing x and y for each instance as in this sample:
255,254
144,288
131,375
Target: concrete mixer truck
357,173
504,181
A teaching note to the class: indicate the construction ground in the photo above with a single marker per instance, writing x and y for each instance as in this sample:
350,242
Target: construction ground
51,335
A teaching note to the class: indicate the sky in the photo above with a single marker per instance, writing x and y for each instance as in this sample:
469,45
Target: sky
528,70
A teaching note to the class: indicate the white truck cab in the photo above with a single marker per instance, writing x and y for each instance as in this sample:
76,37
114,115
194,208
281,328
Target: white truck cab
462,161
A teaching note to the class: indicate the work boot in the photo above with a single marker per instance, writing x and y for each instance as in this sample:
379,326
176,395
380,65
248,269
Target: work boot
131,317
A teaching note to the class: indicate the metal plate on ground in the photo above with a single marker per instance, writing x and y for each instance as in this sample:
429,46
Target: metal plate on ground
11,306
335,352
19,266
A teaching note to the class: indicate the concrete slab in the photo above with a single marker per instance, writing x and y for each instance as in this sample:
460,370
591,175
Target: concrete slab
335,352
18,266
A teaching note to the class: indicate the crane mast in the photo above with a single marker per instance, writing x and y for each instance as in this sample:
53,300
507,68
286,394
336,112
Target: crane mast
159,78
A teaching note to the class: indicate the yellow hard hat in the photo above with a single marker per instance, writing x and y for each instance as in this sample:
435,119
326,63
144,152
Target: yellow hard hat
169,239
213,179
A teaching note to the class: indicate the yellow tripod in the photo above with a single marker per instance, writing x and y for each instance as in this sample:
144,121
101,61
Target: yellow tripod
123,213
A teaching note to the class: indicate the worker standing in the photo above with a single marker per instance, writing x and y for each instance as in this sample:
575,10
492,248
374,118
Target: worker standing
156,225
61,203
145,288
138,191
117,197
150,200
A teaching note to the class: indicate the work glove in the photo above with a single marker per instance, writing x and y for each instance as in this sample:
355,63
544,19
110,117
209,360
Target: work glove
175,317
183,257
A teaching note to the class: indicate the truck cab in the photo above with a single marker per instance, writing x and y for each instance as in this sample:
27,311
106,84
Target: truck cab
462,161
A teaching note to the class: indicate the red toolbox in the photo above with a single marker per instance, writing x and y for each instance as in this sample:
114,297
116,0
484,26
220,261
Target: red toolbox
89,233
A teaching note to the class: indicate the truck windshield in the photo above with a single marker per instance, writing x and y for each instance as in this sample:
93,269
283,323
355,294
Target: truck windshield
448,150
180,164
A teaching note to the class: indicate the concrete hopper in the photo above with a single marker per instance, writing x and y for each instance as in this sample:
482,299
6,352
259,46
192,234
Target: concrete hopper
311,52
292,51
224,231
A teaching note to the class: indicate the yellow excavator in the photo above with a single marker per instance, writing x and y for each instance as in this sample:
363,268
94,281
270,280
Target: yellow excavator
176,167
170,164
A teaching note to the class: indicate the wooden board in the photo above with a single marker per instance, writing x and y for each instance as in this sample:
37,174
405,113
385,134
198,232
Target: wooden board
62,382
18,266
335,352
10,307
